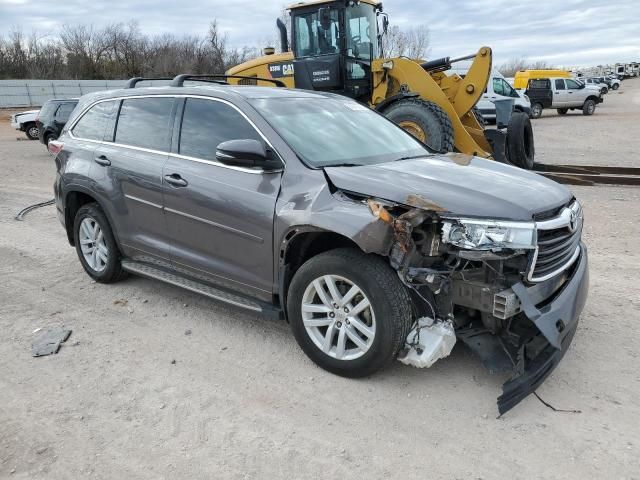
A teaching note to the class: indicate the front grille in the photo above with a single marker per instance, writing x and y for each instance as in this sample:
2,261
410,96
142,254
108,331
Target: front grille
558,244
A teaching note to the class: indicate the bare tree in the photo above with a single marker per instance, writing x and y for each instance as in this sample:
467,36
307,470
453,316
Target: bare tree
412,43
509,68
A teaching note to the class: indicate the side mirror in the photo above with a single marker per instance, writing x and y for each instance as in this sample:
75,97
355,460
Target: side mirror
245,153
385,24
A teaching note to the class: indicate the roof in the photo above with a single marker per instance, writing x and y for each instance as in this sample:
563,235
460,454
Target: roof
319,2
219,91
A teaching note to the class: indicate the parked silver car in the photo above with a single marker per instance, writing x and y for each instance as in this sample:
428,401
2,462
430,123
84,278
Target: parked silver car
312,207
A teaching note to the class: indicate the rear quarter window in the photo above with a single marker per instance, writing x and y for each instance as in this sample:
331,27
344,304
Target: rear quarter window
48,109
92,124
64,111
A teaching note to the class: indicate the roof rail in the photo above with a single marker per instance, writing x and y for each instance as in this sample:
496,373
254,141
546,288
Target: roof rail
131,83
179,80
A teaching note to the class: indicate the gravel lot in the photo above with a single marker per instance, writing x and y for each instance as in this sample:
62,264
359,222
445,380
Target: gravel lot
131,395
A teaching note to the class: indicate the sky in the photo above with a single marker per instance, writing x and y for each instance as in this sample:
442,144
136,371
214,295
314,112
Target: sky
560,32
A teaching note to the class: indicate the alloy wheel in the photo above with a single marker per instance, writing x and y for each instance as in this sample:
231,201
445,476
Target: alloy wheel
338,317
93,245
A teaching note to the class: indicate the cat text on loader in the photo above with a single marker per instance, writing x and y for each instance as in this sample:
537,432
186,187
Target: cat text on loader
336,46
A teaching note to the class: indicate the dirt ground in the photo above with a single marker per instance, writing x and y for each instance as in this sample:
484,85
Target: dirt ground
133,394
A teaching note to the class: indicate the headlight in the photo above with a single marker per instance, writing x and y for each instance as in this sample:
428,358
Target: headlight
474,234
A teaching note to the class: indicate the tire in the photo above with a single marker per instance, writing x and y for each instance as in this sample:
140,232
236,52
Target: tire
520,144
424,120
536,110
102,271
589,107
388,318
563,111
615,86
49,137
31,131
479,117
604,90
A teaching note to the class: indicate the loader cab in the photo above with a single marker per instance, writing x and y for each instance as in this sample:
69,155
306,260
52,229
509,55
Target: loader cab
334,44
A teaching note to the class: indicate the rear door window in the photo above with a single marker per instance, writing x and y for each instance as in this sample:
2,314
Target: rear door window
560,84
145,122
207,123
572,84
91,125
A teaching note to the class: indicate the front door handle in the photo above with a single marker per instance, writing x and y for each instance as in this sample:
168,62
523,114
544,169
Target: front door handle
102,160
176,180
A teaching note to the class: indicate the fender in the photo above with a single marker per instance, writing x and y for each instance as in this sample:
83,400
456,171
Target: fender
394,98
78,188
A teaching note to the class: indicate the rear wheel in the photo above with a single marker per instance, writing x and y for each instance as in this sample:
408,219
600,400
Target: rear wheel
520,145
604,90
563,111
349,312
536,110
96,245
589,107
424,120
31,131
48,138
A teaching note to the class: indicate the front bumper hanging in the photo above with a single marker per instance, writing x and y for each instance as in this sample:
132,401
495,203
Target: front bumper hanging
557,321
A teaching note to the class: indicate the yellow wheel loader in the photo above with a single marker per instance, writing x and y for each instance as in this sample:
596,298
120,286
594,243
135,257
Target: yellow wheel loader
336,46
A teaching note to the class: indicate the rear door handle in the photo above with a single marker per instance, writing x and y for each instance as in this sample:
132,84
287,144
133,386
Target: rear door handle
176,180
102,160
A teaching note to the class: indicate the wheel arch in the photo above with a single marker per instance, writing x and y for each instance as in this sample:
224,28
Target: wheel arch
298,245
74,198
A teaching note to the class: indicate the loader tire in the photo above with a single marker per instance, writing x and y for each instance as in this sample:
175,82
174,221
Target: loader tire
479,116
520,145
424,120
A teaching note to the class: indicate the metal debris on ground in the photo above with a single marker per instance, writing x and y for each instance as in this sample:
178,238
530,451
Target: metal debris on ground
24,211
48,341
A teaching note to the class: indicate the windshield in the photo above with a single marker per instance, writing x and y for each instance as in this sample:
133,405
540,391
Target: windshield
328,132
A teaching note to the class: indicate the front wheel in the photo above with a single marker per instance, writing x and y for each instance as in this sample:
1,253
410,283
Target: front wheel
589,107
615,86
536,110
31,131
349,312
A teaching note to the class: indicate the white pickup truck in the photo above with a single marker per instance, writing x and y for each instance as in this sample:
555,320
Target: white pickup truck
563,94
26,122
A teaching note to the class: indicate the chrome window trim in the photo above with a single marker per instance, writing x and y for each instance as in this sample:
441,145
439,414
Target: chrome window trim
177,155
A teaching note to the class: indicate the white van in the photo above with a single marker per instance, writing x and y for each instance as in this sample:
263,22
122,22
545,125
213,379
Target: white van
497,89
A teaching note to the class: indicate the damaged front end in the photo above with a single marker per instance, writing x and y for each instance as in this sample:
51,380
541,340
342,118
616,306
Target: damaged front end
511,291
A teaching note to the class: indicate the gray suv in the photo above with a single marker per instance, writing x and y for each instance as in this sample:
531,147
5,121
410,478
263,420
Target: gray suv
314,208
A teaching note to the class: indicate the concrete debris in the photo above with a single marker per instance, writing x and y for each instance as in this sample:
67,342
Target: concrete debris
48,341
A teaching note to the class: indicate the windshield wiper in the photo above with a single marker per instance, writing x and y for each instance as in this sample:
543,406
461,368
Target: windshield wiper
343,165
410,157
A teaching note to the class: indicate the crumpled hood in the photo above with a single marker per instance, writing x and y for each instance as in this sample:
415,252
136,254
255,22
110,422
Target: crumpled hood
455,183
